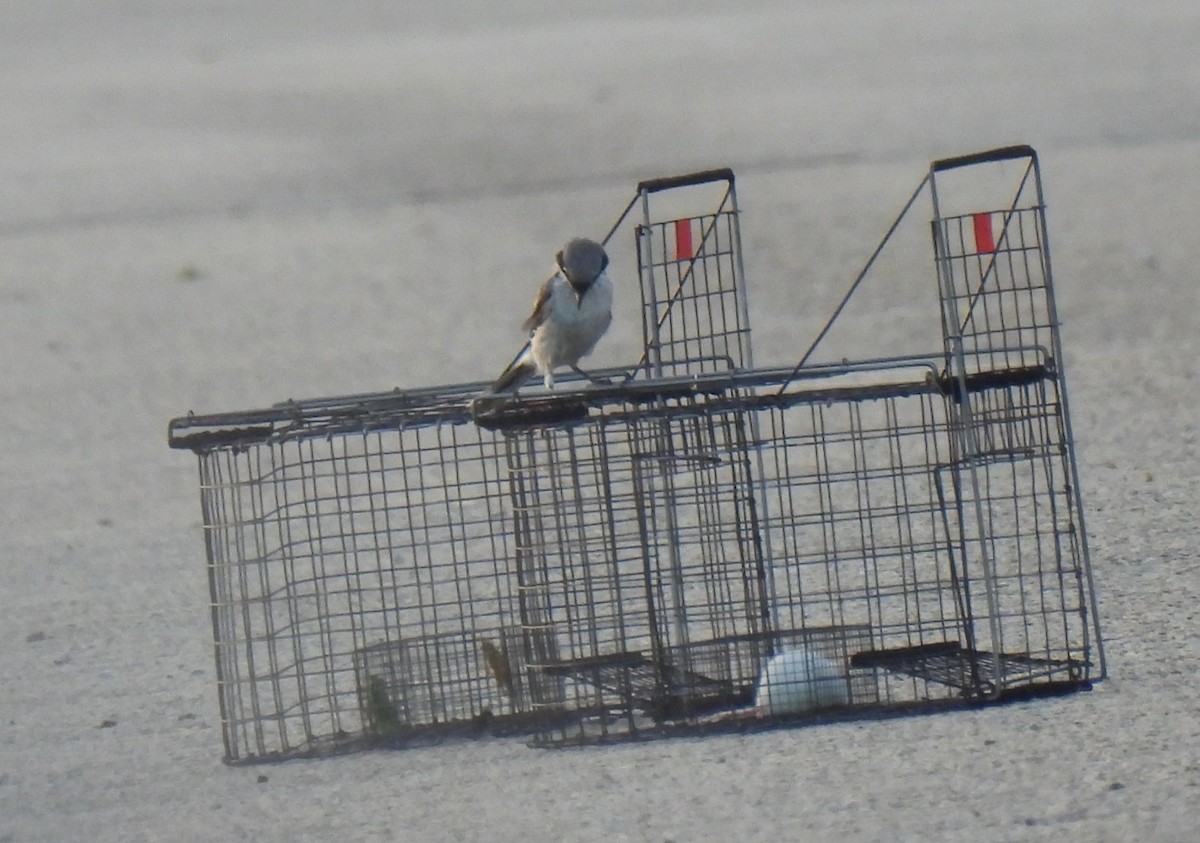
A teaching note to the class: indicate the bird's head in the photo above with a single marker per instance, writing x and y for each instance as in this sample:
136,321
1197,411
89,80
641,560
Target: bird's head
581,261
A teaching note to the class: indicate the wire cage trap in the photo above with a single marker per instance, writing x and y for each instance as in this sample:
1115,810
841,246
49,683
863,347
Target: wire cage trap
701,544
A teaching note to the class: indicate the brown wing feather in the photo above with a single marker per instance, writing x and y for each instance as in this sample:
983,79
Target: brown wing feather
539,307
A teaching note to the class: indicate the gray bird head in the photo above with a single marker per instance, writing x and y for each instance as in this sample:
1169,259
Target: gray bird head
581,261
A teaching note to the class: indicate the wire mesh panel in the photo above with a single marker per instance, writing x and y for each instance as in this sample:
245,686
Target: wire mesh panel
993,268
1022,568
636,537
878,525
694,315
996,297
700,544
850,483
353,573
1017,473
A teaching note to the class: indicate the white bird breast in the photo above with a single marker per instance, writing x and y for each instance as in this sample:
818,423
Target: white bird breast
572,328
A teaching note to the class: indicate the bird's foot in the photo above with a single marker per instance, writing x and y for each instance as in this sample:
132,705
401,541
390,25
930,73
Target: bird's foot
596,380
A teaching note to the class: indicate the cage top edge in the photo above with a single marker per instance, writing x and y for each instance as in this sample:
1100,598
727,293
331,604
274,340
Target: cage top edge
471,403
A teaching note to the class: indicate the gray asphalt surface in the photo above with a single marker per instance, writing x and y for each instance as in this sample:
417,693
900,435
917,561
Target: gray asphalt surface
215,206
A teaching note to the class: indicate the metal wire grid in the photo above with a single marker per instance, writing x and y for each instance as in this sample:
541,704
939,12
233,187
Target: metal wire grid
864,535
854,515
1000,325
692,317
694,688
870,509
635,536
1029,567
360,579
323,546
621,561
996,301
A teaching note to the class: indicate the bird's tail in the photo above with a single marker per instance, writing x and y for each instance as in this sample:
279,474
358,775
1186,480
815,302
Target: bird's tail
519,371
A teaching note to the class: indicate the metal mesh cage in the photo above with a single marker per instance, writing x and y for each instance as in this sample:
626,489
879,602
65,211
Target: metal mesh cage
694,315
702,544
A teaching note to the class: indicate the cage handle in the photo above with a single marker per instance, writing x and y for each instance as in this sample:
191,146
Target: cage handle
701,177
1002,153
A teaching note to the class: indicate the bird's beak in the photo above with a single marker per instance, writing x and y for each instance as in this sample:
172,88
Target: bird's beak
578,291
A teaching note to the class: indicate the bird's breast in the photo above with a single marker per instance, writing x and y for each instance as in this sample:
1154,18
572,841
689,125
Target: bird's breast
573,326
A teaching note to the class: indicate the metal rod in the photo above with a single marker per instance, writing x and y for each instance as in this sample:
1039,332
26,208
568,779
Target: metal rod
857,281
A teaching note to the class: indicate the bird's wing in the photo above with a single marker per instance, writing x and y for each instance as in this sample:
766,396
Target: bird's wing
541,305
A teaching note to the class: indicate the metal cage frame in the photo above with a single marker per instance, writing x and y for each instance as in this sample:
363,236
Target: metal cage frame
699,545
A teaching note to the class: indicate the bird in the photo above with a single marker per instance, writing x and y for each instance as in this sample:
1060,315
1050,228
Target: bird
572,311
